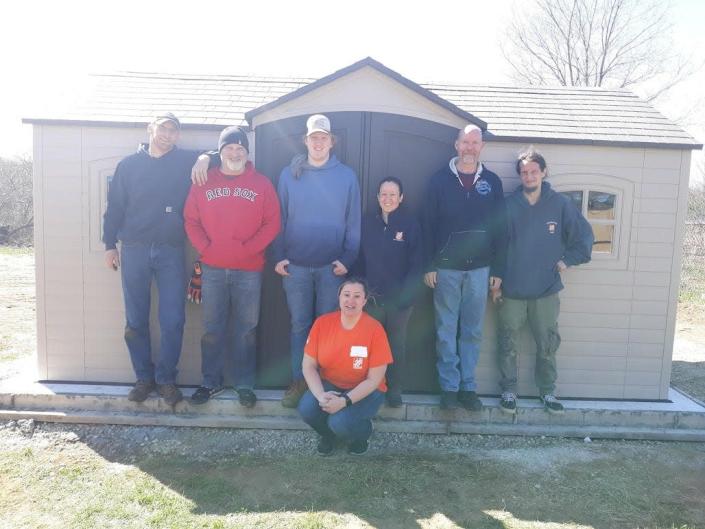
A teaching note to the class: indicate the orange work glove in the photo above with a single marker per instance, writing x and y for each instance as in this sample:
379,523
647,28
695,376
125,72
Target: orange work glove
193,293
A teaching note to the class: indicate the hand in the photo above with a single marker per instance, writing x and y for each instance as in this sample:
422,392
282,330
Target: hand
199,171
431,279
281,267
561,266
193,293
496,295
495,282
339,268
334,405
324,398
112,259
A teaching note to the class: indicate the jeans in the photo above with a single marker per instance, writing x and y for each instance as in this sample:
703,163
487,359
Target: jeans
228,293
310,292
394,321
140,262
459,299
542,315
349,424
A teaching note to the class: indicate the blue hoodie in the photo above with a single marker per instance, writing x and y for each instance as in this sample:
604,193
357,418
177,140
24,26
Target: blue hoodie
320,211
539,236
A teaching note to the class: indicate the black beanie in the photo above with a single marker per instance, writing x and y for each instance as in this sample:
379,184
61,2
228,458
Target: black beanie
233,135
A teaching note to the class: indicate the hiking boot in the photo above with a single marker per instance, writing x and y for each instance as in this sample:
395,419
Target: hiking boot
326,445
293,394
469,400
141,391
449,400
358,448
552,405
247,397
508,403
203,394
170,393
393,398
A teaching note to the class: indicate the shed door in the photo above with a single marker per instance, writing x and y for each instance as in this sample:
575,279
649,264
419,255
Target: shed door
374,145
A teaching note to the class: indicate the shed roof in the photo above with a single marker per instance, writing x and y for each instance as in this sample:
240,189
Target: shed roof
538,114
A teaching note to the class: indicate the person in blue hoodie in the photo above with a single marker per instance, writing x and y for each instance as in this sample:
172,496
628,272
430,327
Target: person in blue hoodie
547,234
319,239
391,259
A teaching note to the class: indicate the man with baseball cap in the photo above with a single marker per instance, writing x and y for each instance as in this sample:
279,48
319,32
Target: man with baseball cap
230,221
319,240
145,202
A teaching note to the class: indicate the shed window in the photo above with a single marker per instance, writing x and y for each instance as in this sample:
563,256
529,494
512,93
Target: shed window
599,208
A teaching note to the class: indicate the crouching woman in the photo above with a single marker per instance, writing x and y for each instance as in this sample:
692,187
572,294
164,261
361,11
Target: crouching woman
345,359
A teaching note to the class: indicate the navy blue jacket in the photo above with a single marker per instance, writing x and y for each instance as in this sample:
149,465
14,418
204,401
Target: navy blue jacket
391,257
539,236
146,198
464,230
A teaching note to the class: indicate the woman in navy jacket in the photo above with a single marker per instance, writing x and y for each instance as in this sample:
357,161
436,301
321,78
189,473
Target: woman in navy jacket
391,259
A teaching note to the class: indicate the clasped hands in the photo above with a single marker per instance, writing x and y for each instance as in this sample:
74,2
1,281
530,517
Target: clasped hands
331,402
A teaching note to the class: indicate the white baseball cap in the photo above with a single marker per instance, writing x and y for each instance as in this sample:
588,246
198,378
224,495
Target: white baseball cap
317,123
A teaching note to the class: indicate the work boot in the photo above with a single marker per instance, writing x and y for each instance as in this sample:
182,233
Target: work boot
449,400
294,392
170,393
141,391
393,398
326,445
247,397
469,400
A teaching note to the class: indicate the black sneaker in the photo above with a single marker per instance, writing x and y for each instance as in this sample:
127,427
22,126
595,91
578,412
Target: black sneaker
508,403
247,397
394,399
326,445
449,400
204,394
552,405
170,393
358,448
141,391
469,400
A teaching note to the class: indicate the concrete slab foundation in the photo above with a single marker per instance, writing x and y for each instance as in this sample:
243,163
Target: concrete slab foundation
682,418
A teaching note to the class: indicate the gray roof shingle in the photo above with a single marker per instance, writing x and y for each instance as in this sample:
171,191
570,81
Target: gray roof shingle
539,114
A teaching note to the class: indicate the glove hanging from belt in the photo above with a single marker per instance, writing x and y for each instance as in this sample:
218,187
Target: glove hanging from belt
193,293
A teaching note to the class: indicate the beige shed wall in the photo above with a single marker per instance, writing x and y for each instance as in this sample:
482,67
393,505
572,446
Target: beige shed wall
617,314
80,313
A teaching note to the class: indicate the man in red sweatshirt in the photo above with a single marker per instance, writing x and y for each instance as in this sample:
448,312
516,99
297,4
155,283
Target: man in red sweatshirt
230,221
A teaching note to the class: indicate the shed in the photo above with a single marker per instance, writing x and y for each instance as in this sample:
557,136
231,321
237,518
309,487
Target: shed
624,164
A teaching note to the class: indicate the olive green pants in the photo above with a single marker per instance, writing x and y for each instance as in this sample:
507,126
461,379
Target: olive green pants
542,316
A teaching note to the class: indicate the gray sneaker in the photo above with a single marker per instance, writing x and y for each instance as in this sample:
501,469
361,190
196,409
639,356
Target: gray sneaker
508,403
552,405
170,393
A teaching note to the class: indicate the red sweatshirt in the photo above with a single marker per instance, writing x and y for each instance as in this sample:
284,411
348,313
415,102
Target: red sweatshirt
232,219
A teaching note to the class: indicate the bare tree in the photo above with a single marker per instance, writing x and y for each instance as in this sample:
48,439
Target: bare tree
16,206
609,43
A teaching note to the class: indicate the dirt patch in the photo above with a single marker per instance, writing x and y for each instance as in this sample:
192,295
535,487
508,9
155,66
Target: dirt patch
17,312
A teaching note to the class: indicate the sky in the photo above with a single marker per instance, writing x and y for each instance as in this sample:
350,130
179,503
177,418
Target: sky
49,47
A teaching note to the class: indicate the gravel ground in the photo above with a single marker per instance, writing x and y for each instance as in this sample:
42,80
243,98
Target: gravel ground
129,443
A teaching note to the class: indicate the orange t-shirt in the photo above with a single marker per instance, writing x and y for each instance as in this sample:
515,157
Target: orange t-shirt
345,356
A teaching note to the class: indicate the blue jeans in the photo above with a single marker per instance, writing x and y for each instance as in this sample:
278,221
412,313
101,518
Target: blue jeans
459,299
310,292
229,293
140,262
349,424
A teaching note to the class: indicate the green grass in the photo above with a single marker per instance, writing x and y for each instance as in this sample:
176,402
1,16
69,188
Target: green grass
692,287
621,488
16,250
